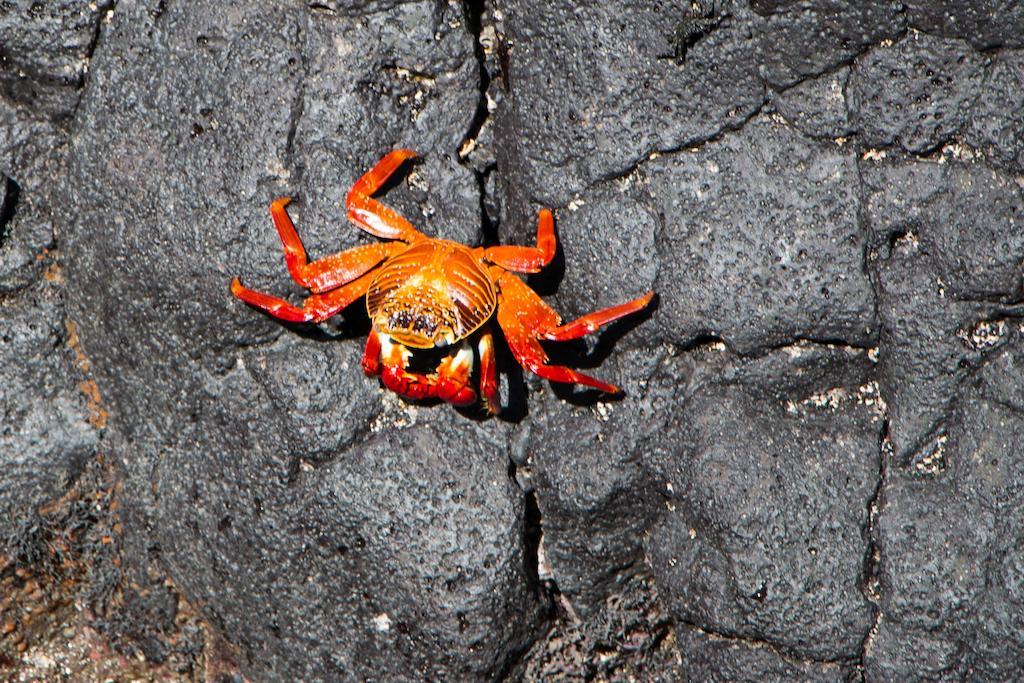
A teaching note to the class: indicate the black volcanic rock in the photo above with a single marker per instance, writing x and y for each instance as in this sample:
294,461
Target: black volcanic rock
813,472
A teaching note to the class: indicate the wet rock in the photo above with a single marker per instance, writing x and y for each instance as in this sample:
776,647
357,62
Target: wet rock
931,85
45,437
761,241
767,474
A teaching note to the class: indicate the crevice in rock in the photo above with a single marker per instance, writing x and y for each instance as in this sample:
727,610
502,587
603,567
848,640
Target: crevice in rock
9,194
532,535
850,62
105,10
298,105
482,168
799,341
711,340
872,556
694,145
753,643
703,18
532,538
158,12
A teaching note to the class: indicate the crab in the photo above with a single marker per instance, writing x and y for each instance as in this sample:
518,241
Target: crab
431,300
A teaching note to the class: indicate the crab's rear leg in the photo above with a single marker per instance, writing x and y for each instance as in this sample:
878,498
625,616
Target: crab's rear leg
592,321
371,215
331,271
488,373
316,308
527,259
523,317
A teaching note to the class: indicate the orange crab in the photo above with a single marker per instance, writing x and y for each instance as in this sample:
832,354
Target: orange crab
423,293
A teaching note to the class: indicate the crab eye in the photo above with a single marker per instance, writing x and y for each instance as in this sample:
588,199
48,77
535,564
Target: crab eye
424,324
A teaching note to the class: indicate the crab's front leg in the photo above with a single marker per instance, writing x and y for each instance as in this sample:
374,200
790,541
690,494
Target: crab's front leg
453,377
394,359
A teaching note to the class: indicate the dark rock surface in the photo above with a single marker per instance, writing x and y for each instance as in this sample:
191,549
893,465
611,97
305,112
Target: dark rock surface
985,24
46,51
734,660
48,431
329,533
814,473
949,242
931,86
799,39
797,432
744,205
46,437
950,538
589,93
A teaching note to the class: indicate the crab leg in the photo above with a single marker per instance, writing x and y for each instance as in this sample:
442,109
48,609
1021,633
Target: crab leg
371,357
527,259
488,373
316,308
408,384
523,317
592,321
453,378
399,380
331,271
371,215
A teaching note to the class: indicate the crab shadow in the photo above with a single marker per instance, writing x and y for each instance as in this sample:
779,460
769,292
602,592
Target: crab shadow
353,323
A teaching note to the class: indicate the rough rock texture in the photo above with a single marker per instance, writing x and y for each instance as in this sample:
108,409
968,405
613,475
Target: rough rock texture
45,51
798,39
931,86
952,591
813,474
318,527
589,93
745,205
797,431
45,437
949,239
986,24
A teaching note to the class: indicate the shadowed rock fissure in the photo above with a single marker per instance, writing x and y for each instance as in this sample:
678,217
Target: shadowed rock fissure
105,8
9,193
872,560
